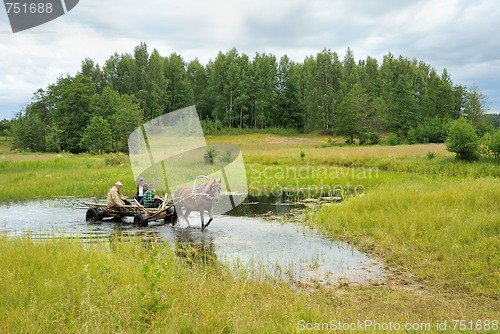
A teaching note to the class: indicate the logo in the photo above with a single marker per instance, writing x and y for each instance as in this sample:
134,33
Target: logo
171,152
28,14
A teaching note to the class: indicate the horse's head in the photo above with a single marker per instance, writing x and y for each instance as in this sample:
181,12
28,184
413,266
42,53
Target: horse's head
213,188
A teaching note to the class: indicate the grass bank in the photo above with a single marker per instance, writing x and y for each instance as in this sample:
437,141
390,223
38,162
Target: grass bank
62,286
445,233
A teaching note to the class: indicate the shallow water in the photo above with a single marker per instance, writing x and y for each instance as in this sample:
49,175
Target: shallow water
241,238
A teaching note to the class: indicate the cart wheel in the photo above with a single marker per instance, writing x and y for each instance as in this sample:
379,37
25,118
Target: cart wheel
140,220
92,215
171,217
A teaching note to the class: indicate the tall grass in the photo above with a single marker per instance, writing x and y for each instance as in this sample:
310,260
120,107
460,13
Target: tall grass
273,164
62,286
445,232
62,175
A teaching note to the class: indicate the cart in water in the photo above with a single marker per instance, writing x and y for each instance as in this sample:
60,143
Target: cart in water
142,216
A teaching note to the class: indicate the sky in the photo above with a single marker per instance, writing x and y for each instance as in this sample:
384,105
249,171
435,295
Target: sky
461,36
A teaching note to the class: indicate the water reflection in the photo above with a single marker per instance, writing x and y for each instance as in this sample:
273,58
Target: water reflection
253,206
195,248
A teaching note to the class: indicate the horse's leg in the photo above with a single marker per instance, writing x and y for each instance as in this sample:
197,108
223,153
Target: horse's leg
186,214
202,218
209,221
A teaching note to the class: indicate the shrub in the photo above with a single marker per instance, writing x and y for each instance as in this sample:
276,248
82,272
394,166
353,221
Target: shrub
495,144
462,140
393,139
209,156
227,157
114,159
431,155
369,138
411,137
349,141
485,145
432,130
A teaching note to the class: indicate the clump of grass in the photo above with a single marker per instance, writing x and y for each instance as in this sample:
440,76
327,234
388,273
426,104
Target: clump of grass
114,159
227,157
210,155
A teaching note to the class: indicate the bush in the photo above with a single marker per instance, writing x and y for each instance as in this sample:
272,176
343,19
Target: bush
485,145
393,139
369,138
209,156
433,130
462,140
431,155
114,159
495,144
411,137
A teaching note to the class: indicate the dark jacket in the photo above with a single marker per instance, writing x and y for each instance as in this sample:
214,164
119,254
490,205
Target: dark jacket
145,187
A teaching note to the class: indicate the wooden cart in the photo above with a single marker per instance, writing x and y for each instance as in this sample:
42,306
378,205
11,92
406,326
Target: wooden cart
142,216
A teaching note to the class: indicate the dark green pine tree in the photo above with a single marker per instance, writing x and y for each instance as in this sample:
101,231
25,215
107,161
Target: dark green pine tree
402,109
289,113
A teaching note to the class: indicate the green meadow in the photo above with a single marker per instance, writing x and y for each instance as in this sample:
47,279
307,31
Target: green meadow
433,221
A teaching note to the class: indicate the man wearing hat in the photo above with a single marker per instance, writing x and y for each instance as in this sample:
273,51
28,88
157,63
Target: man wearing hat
114,196
141,190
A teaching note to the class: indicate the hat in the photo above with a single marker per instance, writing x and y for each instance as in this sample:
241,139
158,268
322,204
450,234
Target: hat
118,183
141,179
152,185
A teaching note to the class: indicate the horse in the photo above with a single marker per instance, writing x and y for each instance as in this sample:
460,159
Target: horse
199,200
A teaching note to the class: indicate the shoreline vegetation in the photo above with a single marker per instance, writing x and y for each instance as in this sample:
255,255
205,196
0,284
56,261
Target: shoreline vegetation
431,219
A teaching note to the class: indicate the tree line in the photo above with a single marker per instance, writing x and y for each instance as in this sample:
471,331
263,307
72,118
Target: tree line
96,109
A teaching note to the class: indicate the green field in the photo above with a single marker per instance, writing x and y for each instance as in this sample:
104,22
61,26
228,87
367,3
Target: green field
432,220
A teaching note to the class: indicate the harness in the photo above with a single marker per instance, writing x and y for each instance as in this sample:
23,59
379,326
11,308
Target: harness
201,188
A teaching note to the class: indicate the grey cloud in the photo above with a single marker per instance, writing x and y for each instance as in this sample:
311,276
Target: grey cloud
459,35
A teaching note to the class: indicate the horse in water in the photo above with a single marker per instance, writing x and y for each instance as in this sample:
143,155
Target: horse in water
200,200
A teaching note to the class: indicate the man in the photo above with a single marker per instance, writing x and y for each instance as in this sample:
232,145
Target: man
115,198
141,189
150,200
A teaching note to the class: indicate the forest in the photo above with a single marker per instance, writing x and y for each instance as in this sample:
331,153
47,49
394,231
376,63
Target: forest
96,109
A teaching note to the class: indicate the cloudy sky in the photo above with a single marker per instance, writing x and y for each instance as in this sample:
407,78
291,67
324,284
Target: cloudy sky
461,36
